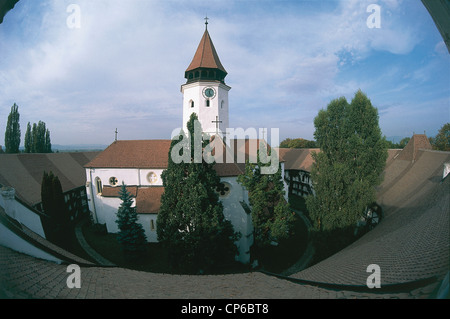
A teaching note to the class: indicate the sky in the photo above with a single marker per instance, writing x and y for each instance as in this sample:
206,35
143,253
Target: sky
86,67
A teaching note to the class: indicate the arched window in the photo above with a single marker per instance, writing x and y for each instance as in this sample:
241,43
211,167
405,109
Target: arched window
207,103
191,103
191,76
98,185
222,104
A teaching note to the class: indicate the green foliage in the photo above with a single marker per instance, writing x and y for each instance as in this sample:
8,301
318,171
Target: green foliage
131,234
190,223
349,166
297,143
271,217
441,141
57,226
12,132
37,139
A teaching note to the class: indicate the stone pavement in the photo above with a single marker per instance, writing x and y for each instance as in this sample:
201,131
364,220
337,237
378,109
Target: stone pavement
22,276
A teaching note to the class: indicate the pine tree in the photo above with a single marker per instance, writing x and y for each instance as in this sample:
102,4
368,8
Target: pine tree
190,223
12,133
131,233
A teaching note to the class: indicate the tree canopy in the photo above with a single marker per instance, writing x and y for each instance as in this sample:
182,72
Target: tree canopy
191,223
37,139
349,166
271,217
131,235
12,132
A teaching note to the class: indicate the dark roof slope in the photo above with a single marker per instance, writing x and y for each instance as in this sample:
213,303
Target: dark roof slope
24,172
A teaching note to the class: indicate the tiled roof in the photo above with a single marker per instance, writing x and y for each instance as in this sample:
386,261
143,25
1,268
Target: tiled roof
108,191
206,55
148,199
297,158
154,154
417,142
24,172
133,154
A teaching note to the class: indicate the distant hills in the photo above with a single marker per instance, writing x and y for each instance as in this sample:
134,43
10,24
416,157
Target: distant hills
78,147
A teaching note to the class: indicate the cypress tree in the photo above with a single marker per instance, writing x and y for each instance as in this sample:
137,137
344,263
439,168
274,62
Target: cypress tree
28,139
190,223
12,132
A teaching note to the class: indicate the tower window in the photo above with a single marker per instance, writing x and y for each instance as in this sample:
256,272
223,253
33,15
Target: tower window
222,104
207,103
191,103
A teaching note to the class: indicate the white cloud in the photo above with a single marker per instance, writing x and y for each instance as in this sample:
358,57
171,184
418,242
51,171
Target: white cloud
124,66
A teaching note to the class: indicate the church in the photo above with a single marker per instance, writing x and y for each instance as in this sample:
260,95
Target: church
139,163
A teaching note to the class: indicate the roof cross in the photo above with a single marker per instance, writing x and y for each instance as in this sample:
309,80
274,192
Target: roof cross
206,22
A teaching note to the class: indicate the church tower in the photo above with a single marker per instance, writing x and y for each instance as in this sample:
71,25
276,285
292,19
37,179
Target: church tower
205,92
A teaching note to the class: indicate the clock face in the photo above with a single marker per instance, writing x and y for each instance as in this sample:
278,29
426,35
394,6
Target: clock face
209,93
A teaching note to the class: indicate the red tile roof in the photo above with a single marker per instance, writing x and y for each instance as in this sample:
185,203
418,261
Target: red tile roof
133,154
417,142
206,55
148,200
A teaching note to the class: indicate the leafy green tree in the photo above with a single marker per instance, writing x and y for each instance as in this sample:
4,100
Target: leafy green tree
37,139
191,223
297,143
348,168
441,141
271,217
131,233
12,132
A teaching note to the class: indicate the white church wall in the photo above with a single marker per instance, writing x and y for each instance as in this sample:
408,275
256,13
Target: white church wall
106,211
148,222
150,177
19,212
235,213
9,239
129,176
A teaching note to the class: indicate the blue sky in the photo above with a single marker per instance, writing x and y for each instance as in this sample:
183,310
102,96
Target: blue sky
286,60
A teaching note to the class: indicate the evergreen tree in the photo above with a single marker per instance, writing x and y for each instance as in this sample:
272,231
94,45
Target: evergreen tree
131,234
347,170
271,217
190,223
12,133
37,139
57,226
28,139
